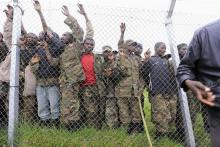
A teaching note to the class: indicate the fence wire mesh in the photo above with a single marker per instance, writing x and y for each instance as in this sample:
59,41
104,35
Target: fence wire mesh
84,87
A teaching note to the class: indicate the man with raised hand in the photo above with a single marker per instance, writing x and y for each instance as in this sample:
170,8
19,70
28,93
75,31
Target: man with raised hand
71,69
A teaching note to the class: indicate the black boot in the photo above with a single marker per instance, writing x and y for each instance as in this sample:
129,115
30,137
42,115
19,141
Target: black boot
73,126
135,128
140,128
55,123
159,135
130,128
45,123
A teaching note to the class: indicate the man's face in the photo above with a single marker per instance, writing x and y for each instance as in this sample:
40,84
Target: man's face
105,53
41,36
31,39
161,50
182,51
138,50
110,56
89,45
132,47
65,38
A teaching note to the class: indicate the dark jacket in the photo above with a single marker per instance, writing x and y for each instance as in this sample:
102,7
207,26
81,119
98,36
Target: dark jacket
202,61
25,57
157,73
56,47
45,70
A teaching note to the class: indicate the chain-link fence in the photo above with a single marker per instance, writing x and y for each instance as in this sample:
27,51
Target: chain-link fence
97,83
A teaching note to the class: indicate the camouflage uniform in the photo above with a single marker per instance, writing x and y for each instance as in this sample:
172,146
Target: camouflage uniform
163,112
111,109
92,97
141,82
71,75
127,90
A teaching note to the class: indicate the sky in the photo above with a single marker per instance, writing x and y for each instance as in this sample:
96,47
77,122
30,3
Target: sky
144,18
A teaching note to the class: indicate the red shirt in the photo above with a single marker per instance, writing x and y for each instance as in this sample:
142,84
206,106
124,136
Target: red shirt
87,62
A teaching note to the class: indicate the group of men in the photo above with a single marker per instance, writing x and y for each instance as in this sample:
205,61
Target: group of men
76,87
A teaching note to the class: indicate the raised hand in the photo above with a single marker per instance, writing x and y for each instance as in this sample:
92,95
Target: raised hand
123,27
121,52
37,5
43,44
108,71
81,9
9,11
147,54
65,10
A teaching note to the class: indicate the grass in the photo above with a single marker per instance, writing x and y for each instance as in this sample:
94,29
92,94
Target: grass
35,136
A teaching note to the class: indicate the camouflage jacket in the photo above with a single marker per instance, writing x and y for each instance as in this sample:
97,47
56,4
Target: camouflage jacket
70,64
129,70
110,81
141,82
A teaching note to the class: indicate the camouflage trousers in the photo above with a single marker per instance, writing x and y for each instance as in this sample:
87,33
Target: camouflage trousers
111,112
129,110
90,106
163,109
28,108
3,102
70,103
27,104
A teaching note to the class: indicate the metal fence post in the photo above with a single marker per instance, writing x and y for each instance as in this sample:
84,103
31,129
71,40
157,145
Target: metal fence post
190,140
14,74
